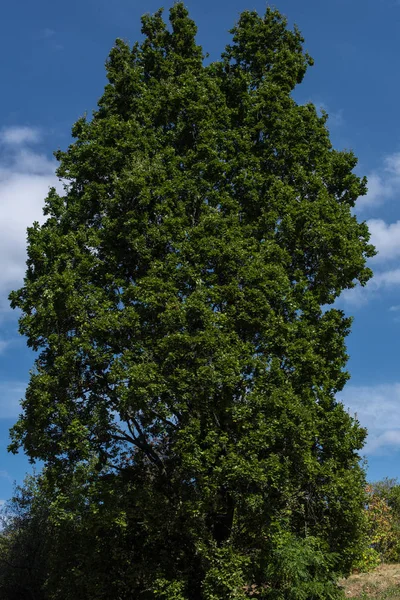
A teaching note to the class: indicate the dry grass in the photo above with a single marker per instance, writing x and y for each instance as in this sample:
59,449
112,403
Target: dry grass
381,584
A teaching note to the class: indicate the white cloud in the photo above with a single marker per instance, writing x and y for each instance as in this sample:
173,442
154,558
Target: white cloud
16,136
11,393
379,190
25,178
381,281
386,238
377,408
4,344
383,183
355,297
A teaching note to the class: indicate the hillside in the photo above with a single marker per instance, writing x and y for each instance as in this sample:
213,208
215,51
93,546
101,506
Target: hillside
382,584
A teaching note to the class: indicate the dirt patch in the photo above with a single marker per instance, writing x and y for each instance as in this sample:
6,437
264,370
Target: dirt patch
374,584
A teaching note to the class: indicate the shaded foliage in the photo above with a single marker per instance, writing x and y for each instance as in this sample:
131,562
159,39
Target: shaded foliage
24,544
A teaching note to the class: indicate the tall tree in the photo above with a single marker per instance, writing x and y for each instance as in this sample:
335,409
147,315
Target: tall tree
178,294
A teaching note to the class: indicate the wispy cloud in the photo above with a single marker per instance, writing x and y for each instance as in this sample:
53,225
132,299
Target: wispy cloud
4,344
396,313
17,136
382,281
385,279
335,117
48,36
377,408
392,164
11,393
47,33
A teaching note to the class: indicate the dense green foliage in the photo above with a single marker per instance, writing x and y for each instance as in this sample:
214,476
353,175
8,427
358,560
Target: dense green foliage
188,363
24,543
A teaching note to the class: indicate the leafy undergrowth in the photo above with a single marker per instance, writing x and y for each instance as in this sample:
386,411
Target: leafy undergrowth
383,583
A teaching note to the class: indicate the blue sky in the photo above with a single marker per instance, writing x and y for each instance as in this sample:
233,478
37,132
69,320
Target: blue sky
53,71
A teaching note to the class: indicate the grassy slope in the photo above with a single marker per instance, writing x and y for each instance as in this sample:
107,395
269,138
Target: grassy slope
381,584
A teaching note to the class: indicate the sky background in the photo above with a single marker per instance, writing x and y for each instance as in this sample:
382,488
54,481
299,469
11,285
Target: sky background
52,69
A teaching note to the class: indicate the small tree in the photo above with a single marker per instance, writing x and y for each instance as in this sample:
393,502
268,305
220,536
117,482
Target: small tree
389,490
382,514
178,297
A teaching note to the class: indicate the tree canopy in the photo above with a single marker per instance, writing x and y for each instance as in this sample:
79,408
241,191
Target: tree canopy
179,296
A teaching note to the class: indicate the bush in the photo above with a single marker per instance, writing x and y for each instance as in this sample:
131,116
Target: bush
382,525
